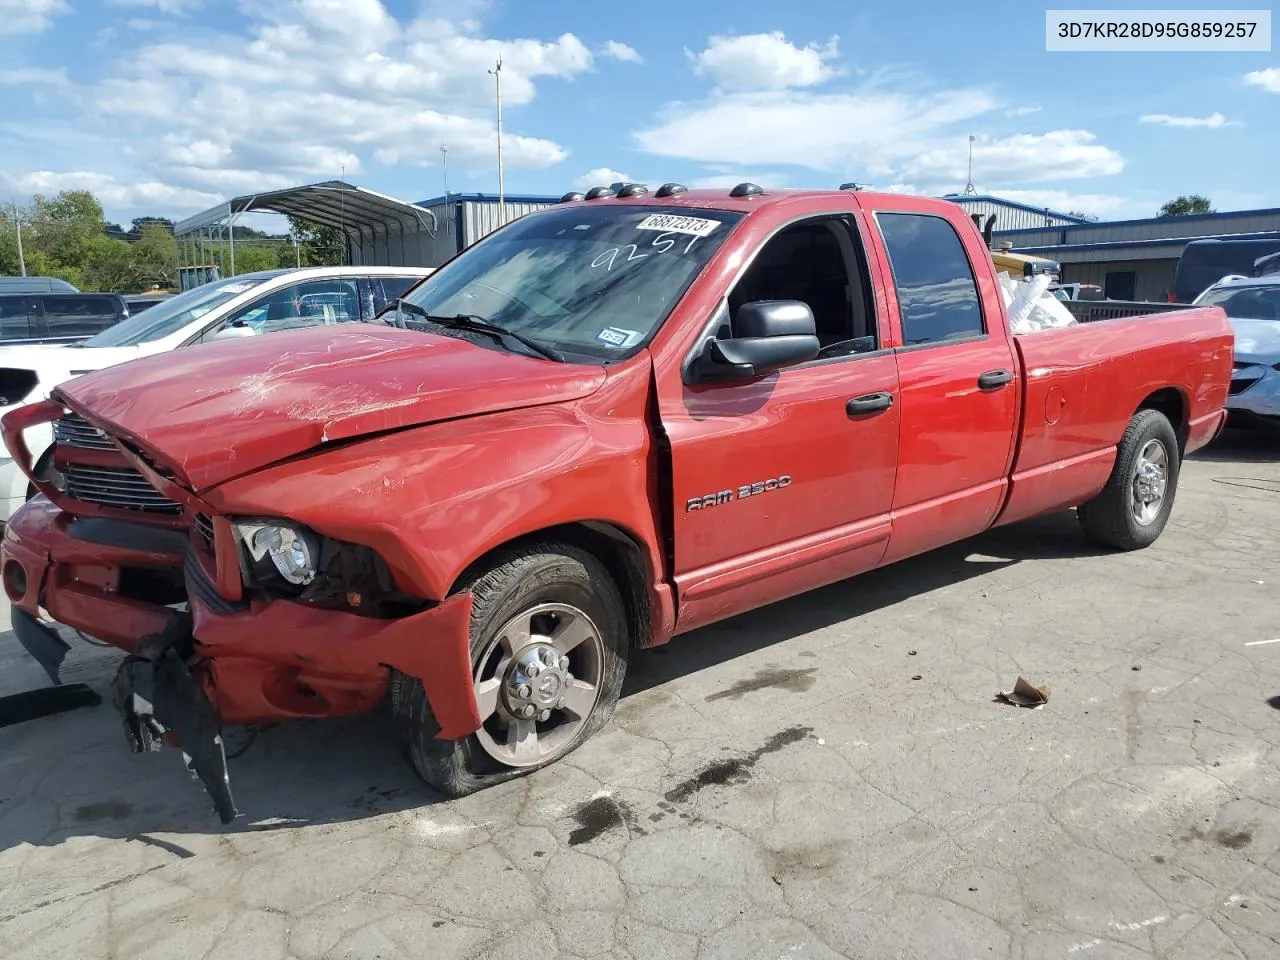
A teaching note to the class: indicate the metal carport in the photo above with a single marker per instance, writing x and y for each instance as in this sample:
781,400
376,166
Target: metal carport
403,233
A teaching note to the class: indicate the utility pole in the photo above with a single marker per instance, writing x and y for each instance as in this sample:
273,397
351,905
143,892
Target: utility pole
444,165
502,193
17,220
969,188
297,254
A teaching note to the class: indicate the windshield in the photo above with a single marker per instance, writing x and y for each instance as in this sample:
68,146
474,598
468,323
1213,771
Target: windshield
1246,303
170,316
595,281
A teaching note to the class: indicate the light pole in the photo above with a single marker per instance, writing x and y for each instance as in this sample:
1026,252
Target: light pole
444,165
502,193
969,188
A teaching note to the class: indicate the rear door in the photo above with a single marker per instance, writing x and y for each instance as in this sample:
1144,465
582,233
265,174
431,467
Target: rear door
958,378
74,317
19,318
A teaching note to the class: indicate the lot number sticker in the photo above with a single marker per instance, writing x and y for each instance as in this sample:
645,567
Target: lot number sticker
670,223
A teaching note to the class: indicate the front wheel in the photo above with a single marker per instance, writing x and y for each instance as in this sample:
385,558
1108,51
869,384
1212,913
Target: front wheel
549,640
1131,511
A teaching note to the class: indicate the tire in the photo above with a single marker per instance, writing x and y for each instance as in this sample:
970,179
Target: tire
552,577
1112,517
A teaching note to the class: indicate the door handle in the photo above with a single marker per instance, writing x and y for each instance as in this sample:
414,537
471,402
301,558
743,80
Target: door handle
870,403
994,379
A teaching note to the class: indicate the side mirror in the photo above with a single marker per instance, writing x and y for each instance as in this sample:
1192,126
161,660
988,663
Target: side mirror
770,334
233,332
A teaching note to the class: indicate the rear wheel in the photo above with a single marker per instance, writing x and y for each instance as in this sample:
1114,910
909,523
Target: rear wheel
549,639
1131,511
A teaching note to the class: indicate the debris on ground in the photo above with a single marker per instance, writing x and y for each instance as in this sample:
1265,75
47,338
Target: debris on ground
1024,694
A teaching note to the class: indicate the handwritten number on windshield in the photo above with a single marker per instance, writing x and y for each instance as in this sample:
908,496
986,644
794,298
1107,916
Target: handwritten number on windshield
609,256
663,242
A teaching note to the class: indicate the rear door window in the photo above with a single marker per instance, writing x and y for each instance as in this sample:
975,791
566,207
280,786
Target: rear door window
19,318
78,317
937,293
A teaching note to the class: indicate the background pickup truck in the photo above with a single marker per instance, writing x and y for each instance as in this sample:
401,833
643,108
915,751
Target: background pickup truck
605,424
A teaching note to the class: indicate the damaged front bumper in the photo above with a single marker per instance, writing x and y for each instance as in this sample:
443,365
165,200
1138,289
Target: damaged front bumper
159,700
219,662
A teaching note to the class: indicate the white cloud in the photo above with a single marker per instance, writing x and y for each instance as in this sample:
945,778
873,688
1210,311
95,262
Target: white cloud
863,132
1268,79
1022,111
620,51
765,61
1021,158
168,7
1213,121
149,196
303,88
34,77
29,16
600,177
871,134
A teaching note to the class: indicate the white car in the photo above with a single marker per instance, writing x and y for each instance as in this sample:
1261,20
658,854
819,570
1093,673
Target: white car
248,305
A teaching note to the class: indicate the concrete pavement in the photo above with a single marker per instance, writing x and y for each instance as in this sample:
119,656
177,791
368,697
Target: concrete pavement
830,777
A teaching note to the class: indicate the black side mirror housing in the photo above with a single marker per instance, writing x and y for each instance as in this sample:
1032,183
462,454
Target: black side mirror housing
769,335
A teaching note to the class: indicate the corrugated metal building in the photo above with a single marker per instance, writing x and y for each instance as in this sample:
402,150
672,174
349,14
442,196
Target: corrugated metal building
1011,215
456,222
1135,259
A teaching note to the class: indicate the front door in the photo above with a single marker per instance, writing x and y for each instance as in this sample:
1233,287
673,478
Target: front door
959,383
785,483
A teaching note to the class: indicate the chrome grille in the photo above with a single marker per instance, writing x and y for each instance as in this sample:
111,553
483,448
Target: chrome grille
76,431
204,530
117,487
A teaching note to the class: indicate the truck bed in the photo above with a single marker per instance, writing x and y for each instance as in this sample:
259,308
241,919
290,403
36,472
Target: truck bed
1084,382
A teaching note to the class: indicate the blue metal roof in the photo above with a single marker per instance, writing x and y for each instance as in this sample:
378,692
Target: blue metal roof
488,198
959,197
1147,221
1155,242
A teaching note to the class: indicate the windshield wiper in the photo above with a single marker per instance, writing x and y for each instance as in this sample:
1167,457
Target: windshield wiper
469,321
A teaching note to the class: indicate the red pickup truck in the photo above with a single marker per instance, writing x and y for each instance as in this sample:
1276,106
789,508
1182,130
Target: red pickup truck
605,424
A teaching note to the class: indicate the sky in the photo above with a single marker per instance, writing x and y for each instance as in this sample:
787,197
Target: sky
166,107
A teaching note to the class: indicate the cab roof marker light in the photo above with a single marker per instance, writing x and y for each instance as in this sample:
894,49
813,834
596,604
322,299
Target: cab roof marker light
595,193
746,190
632,190
571,197
671,190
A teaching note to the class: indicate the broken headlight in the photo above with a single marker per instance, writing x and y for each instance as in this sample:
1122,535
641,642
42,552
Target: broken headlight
293,551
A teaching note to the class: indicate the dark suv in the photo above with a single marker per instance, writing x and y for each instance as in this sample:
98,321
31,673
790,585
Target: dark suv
58,317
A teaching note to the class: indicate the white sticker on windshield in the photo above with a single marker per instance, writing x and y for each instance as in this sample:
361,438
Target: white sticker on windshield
238,287
673,223
618,337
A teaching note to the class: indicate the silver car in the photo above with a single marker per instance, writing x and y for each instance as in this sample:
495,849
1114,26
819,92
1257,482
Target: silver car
1253,304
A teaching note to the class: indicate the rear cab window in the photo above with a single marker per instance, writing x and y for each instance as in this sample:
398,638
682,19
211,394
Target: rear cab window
937,292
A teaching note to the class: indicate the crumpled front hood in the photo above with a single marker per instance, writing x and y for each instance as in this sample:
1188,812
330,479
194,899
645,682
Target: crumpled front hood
221,410
1257,341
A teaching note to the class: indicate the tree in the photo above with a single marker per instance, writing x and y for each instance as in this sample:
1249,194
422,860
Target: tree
112,265
64,225
318,245
1186,205
251,259
140,222
156,252
1082,215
